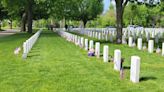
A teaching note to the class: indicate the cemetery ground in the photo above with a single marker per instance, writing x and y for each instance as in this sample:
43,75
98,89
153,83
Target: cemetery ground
56,65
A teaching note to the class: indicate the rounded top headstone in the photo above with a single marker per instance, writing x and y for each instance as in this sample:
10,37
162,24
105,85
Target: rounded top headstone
136,57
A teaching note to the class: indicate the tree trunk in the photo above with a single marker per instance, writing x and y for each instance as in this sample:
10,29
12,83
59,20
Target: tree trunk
119,17
84,23
0,27
23,22
11,24
30,16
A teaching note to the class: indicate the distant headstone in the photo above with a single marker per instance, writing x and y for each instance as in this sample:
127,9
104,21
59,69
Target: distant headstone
156,39
86,44
117,60
106,37
148,36
124,40
135,69
139,43
105,53
99,36
130,42
134,44
24,56
82,42
151,46
79,41
144,46
153,34
111,38
97,49
158,50
91,44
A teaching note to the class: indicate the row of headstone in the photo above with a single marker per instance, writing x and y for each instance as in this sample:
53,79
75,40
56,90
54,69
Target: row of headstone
140,46
138,32
132,35
28,44
109,35
100,35
135,60
135,63
147,32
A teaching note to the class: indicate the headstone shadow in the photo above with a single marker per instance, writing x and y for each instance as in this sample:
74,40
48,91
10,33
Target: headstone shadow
33,55
146,78
126,67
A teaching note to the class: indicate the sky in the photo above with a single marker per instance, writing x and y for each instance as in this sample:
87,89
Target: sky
106,5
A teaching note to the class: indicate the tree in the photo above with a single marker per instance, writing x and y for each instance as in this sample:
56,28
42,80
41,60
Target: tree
3,14
88,10
120,6
28,9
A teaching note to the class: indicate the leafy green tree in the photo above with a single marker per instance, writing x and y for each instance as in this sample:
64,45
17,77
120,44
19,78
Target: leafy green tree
3,14
88,10
143,15
29,10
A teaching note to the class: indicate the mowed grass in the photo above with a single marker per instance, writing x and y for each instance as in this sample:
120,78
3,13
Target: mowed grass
55,65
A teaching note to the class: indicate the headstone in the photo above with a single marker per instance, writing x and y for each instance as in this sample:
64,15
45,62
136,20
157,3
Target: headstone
81,42
144,47
96,35
134,44
135,69
102,36
117,60
99,36
148,36
24,56
91,44
153,34
158,50
97,49
111,38
105,53
151,46
156,39
139,43
86,44
93,34
163,49
130,42
124,40
106,37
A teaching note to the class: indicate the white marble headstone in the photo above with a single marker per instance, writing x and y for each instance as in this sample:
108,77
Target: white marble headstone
117,60
151,46
135,69
86,44
91,44
130,42
139,43
97,49
105,53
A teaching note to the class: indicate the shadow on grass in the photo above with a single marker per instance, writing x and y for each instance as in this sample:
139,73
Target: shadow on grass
126,67
147,78
33,55
15,37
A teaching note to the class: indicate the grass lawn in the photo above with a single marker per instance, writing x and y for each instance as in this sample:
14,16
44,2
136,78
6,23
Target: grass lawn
55,65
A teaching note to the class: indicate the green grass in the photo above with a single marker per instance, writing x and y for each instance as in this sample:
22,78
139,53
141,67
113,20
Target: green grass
55,65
